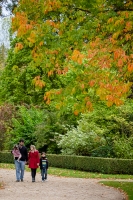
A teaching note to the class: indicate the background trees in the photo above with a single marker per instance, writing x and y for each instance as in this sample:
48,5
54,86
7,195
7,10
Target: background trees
67,58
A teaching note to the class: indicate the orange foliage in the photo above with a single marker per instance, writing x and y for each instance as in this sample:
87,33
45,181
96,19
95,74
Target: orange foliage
130,67
77,56
19,46
38,82
76,112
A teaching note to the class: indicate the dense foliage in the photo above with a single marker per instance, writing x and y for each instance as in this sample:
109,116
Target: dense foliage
70,64
103,132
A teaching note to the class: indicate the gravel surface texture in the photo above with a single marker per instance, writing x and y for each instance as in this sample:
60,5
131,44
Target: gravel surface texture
56,188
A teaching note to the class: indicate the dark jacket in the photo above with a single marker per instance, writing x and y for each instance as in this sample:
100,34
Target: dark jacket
41,162
24,153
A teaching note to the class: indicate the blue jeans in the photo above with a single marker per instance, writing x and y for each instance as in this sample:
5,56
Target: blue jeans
20,167
44,174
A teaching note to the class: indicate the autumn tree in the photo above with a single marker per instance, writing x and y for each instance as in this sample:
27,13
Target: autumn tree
71,53
7,111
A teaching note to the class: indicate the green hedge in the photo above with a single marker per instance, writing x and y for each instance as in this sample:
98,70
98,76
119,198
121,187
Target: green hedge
6,157
91,164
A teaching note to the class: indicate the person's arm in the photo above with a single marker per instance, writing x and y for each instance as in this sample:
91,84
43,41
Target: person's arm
47,163
20,155
40,163
38,158
13,153
26,154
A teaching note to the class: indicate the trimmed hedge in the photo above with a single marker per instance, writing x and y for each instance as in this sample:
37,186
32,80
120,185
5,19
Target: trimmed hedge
84,163
6,157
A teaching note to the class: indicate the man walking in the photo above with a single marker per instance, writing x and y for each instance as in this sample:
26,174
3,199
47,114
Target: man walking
23,160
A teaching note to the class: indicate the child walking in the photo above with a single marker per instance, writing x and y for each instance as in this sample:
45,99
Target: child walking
43,166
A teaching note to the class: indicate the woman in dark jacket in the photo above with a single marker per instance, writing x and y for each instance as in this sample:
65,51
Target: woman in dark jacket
33,161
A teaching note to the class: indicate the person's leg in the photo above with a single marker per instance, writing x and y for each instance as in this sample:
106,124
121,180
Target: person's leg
32,175
42,173
33,172
45,174
22,165
17,166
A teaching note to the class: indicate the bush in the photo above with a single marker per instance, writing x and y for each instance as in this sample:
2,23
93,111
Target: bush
92,164
6,157
84,163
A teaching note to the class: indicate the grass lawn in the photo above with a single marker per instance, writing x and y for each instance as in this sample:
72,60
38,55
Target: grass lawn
74,173
127,187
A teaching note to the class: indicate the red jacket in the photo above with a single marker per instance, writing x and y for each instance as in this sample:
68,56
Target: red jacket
33,159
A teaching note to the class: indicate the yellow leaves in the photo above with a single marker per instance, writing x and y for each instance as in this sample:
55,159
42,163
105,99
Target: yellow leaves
92,83
15,67
38,82
50,73
95,43
77,56
116,35
76,112
128,26
18,20
119,22
126,14
109,103
18,46
41,43
112,40
112,93
89,105
120,63
119,54
82,86
32,37
128,37
50,22
51,5
58,92
110,20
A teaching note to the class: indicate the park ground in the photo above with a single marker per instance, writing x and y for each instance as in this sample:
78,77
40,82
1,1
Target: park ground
56,188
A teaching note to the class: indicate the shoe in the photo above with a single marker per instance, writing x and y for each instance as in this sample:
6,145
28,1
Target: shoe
21,180
17,180
33,180
42,180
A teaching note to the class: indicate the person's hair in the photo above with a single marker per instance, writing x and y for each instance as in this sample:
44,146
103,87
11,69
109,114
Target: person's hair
43,153
33,146
21,140
16,146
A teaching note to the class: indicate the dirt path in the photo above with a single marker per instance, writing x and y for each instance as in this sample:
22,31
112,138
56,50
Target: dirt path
56,188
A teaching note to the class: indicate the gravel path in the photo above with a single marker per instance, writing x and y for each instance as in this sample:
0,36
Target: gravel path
56,188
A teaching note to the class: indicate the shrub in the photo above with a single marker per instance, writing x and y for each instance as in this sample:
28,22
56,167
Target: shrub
85,163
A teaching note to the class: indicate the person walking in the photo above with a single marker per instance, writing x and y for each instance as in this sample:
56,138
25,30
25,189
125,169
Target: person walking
17,155
22,157
23,160
43,166
33,161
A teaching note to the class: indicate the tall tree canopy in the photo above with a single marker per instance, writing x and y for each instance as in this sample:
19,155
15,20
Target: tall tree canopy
71,53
